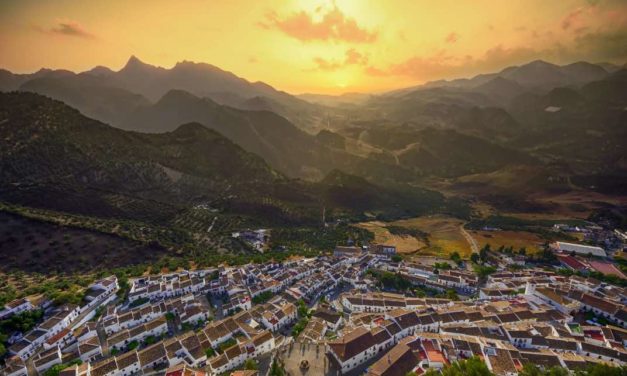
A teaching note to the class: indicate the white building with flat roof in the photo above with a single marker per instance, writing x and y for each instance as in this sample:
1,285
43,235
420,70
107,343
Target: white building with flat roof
581,249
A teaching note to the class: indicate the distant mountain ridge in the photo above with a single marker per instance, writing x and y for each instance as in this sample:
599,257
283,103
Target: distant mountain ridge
152,82
200,79
538,73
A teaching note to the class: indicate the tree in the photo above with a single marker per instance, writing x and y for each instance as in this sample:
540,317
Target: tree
302,309
598,369
251,364
442,265
530,369
455,257
452,294
483,252
150,340
397,258
484,271
470,367
602,370
276,369
133,345
57,368
226,344
547,256
474,258
299,326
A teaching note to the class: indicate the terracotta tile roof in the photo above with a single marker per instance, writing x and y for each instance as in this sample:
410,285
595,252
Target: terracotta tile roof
352,344
261,338
151,354
125,360
233,351
218,361
104,367
397,362
599,303
501,361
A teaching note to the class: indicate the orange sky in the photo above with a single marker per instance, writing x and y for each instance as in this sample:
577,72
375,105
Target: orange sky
313,46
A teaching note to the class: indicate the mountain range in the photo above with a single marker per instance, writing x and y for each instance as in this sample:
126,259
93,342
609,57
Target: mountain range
566,120
57,159
539,74
142,83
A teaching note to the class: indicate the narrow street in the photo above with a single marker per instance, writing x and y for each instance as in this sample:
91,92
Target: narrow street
30,367
102,337
174,326
216,301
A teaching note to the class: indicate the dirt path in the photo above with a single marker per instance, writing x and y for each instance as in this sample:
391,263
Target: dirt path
212,223
473,243
403,150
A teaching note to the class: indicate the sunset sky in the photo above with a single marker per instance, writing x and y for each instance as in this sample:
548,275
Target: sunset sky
313,46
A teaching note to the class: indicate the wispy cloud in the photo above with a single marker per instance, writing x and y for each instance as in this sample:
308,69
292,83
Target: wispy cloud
572,17
333,25
607,43
452,38
351,57
68,28
441,64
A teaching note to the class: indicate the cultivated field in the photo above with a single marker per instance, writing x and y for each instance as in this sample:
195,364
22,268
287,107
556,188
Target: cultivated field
43,247
517,239
403,243
442,236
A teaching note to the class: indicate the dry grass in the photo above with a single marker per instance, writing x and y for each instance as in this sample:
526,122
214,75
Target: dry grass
403,244
443,236
483,209
517,239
